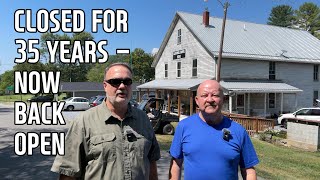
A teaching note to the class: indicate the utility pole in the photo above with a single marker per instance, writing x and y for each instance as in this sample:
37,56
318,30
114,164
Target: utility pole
225,9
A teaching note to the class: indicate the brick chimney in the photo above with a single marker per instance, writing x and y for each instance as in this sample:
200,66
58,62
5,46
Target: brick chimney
205,20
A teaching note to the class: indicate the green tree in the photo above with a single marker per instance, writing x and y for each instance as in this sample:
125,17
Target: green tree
6,79
308,18
69,72
282,15
141,61
141,66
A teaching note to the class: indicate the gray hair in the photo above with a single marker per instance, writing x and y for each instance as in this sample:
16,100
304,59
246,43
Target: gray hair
126,65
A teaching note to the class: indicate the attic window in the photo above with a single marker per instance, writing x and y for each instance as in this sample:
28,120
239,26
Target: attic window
179,54
179,37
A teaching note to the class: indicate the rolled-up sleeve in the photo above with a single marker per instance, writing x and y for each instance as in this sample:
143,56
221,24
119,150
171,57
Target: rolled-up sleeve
73,161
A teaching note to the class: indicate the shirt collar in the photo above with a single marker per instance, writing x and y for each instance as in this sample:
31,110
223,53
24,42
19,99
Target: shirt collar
105,113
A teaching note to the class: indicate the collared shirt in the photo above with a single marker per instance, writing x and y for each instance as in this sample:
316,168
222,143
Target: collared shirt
100,146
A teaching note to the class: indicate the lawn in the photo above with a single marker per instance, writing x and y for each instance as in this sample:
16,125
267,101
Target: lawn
12,98
276,162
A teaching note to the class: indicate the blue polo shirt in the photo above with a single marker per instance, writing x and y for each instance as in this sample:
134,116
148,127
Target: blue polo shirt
207,155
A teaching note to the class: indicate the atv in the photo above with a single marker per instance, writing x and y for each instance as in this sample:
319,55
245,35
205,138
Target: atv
161,121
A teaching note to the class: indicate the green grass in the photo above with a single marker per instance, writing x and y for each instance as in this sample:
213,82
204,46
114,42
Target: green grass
164,141
279,162
276,162
23,97
12,98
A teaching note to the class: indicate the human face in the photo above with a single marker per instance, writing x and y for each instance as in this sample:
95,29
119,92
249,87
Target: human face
209,98
118,93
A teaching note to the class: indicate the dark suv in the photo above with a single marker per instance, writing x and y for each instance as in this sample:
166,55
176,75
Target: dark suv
41,99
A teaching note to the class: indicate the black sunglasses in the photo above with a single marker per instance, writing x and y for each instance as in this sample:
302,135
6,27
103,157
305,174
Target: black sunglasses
117,82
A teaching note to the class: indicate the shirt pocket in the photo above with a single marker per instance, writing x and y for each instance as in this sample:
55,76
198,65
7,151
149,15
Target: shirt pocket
103,147
142,146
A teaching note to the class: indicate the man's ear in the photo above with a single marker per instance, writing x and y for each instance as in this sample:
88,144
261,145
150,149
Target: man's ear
196,99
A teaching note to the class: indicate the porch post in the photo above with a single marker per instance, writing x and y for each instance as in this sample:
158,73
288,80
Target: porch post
139,95
265,104
296,101
191,102
169,102
230,103
179,103
281,109
248,110
245,103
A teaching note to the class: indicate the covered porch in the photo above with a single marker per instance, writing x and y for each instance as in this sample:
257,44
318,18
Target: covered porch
259,98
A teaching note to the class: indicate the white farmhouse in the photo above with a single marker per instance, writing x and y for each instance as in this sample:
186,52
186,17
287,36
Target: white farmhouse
265,69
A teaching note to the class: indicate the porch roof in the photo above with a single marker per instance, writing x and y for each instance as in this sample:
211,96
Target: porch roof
259,87
172,84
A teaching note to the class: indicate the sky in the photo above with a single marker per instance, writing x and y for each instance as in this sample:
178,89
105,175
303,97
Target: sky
148,20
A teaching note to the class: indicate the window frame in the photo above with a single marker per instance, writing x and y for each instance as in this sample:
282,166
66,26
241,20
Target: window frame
194,68
316,72
179,69
166,70
272,70
179,36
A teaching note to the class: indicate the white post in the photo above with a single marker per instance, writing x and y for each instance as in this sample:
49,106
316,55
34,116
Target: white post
248,110
281,109
230,104
296,101
265,104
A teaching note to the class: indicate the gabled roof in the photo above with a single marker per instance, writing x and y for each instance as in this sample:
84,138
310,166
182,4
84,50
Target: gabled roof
245,40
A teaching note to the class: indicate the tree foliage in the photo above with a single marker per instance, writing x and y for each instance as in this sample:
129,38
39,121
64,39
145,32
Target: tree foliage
6,79
307,17
282,15
141,66
74,72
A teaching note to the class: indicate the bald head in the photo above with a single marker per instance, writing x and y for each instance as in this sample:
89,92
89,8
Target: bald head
209,83
210,101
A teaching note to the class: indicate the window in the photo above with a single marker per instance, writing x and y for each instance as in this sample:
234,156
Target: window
272,70
179,36
179,54
165,70
315,72
194,68
315,97
272,100
178,69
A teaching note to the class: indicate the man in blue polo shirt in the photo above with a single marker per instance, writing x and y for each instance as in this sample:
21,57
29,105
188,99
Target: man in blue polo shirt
211,145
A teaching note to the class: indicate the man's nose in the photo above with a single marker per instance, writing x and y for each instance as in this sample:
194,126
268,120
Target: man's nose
122,86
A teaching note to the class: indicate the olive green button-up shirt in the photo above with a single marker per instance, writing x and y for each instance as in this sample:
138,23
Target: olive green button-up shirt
99,146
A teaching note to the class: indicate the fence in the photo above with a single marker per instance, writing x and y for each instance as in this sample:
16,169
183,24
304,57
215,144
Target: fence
253,125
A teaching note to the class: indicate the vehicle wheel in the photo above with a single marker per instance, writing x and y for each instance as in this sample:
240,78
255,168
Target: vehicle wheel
284,123
70,108
168,129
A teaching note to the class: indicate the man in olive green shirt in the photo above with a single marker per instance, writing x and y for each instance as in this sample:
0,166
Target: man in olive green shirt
112,140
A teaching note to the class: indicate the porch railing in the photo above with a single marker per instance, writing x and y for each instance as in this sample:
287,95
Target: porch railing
253,125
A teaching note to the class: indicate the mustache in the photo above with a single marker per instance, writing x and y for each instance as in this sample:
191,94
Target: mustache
213,104
121,92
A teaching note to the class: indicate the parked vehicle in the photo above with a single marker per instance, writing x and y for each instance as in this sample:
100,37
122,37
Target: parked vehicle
96,100
161,122
146,97
41,99
134,103
76,103
304,113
